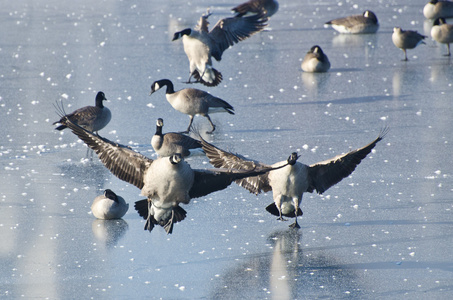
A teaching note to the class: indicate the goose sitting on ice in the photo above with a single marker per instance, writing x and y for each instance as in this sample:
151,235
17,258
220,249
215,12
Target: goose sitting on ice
109,206
438,9
315,61
172,142
356,24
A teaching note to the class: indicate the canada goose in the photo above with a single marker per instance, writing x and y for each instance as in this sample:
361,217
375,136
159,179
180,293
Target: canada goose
438,9
171,142
443,33
109,206
200,44
269,7
315,61
192,102
166,182
365,23
92,118
406,39
290,182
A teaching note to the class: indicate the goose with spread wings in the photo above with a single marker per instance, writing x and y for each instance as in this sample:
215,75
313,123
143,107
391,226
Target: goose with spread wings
166,182
200,45
290,182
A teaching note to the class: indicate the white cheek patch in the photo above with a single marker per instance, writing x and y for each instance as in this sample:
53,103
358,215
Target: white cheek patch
156,86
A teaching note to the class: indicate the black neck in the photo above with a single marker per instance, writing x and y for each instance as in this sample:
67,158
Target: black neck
158,130
169,84
99,100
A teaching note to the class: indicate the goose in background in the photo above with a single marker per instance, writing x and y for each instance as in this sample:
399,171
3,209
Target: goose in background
442,33
406,39
290,182
109,206
268,7
166,182
356,24
171,143
315,61
192,102
200,45
92,118
438,9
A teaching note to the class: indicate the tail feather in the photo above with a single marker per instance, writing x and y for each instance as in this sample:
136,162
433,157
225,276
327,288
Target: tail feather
141,207
217,105
217,78
272,208
61,127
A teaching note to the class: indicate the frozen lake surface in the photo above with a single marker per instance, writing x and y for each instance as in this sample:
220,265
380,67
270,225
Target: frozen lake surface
384,232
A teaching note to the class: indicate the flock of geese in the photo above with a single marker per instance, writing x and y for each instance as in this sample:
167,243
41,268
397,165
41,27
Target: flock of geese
169,180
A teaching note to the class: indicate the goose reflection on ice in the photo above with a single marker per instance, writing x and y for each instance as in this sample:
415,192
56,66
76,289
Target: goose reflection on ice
109,232
286,273
314,82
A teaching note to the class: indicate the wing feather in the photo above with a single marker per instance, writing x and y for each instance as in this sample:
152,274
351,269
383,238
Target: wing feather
121,160
223,159
230,31
208,181
327,173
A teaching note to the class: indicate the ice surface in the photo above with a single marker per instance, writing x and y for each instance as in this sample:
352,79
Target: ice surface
385,232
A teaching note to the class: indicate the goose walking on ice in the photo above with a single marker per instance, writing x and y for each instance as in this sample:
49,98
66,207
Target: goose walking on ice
192,102
290,182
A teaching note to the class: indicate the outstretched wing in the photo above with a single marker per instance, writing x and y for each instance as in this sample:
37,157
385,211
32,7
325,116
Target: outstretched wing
230,31
122,161
229,161
327,173
203,23
208,181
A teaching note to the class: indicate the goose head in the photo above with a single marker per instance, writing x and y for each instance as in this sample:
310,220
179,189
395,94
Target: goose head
110,195
370,15
155,87
316,49
292,159
439,21
99,98
181,33
175,158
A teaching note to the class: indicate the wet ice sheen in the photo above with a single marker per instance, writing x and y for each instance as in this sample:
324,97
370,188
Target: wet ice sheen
384,232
